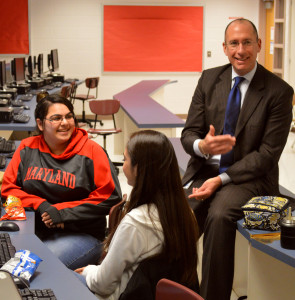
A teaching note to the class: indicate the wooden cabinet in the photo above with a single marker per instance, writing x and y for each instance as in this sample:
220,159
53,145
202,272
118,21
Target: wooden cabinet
279,37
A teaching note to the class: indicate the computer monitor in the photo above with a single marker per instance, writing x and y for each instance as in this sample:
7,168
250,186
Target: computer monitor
40,64
34,64
18,66
2,73
49,61
30,66
54,59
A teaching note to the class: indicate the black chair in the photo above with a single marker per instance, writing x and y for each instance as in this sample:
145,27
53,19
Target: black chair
142,284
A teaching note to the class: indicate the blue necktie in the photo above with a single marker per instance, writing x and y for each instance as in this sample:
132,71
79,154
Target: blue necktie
230,121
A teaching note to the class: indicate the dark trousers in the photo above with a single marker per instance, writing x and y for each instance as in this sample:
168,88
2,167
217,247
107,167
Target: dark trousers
217,218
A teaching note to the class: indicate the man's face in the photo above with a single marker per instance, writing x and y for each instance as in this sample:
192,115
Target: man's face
241,46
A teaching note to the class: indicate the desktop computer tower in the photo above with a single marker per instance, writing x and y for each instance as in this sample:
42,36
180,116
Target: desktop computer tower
36,83
6,114
47,80
22,88
5,99
12,92
58,77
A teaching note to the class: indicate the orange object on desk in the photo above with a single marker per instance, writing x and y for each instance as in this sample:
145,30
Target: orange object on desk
14,209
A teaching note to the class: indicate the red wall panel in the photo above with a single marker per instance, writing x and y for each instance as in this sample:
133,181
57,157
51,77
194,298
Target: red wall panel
153,38
14,27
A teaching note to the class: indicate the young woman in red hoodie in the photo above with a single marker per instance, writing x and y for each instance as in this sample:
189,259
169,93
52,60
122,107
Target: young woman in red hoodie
67,179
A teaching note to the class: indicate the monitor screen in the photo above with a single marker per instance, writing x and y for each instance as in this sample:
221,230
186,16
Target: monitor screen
2,73
30,66
54,59
40,64
19,68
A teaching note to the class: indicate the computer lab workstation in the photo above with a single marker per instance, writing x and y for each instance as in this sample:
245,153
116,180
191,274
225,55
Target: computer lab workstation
21,80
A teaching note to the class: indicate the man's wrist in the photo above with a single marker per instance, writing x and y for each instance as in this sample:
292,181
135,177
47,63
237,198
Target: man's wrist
201,147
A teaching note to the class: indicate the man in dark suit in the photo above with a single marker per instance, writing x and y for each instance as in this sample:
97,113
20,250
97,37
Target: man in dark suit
260,135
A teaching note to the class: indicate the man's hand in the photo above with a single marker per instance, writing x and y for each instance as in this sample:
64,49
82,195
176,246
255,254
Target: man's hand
207,189
219,144
46,219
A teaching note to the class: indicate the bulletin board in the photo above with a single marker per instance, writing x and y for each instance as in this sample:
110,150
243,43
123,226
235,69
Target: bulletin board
14,27
152,38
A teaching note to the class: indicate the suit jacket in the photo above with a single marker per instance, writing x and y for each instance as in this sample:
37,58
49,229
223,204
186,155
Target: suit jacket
262,128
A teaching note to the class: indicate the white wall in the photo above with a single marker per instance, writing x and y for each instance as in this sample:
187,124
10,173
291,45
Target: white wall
74,27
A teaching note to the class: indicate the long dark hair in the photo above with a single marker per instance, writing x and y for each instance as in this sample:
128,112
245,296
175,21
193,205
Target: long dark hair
158,182
44,104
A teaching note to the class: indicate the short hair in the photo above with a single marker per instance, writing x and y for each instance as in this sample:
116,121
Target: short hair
43,105
241,20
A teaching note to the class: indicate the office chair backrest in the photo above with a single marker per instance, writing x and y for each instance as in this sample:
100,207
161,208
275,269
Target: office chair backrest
115,213
104,107
91,82
66,91
73,91
170,290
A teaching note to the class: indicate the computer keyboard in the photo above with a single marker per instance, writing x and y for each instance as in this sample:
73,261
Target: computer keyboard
6,146
70,80
36,294
7,250
48,87
17,102
26,97
18,110
57,84
21,118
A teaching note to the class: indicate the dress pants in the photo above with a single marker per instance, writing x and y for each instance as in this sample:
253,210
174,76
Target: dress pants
217,218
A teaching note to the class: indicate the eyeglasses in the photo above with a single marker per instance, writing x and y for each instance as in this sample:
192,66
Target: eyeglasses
55,119
245,44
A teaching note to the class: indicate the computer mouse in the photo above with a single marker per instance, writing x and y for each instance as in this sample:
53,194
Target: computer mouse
26,107
21,282
8,226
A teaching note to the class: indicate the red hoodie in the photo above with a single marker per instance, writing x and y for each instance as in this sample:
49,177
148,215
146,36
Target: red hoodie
77,187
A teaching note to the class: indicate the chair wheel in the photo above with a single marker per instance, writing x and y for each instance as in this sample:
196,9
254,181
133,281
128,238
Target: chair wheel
101,123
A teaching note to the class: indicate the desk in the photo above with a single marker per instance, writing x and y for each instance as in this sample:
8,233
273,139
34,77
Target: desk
31,125
263,271
140,111
181,155
51,273
25,226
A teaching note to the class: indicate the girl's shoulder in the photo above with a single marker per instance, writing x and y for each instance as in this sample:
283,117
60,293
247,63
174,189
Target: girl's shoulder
145,214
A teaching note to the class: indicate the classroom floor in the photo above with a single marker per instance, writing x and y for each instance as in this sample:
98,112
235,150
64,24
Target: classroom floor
286,164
